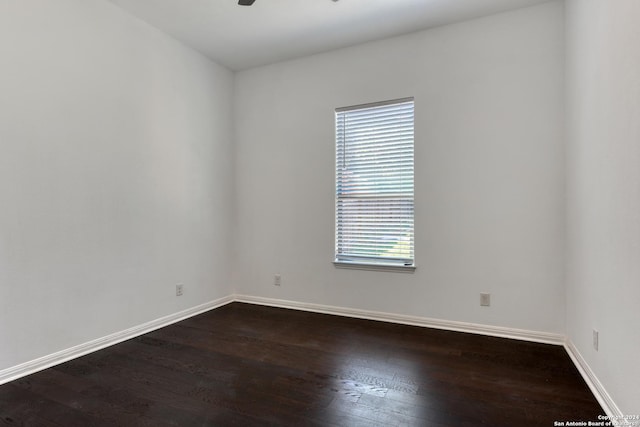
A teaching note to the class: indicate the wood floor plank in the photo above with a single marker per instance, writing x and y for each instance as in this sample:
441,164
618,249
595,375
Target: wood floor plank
250,365
113,407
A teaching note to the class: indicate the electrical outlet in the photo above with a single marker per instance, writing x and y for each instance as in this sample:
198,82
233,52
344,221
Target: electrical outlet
277,280
595,340
179,289
485,299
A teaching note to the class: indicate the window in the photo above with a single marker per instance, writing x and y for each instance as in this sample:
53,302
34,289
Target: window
374,185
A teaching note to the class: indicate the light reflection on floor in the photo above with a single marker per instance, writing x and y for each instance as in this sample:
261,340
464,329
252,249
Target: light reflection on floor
377,385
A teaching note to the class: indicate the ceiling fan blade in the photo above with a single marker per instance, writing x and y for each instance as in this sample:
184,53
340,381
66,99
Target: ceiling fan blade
245,2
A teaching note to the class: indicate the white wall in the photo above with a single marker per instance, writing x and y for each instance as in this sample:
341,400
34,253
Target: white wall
115,148
489,171
603,185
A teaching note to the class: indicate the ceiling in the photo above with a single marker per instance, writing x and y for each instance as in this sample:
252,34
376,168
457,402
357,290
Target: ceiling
241,37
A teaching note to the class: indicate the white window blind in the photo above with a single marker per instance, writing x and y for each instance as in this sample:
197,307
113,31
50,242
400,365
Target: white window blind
374,184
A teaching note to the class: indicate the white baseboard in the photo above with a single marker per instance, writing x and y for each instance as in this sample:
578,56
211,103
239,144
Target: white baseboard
496,331
50,360
598,390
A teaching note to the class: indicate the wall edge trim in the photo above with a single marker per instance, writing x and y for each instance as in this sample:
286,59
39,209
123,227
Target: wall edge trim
41,363
594,384
474,328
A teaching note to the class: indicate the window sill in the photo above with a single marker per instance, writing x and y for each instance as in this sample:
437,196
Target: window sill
375,266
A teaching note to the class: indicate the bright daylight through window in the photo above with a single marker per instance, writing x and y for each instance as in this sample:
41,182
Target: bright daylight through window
374,184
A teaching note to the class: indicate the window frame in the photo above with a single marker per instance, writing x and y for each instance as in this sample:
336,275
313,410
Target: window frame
376,263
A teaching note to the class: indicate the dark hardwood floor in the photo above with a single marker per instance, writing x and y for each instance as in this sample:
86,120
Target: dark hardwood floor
245,365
